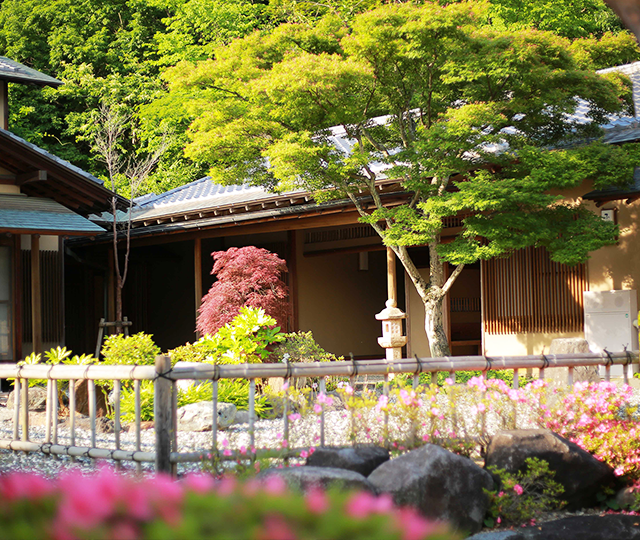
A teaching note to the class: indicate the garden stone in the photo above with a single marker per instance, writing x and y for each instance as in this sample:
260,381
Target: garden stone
103,424
37,399
494,535
305,477
580,373
361,459
581,475
199,416
603,527
441,485
82,399
242,417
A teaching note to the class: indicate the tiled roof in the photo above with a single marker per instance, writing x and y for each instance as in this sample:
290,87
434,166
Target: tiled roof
13,71
49,156
198,195
18,212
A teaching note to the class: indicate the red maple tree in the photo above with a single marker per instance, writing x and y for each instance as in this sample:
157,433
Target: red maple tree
247,276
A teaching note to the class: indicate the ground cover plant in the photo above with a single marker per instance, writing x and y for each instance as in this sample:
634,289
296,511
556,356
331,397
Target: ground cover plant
110,505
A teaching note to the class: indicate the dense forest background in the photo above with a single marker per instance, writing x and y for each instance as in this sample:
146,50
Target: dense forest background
127,58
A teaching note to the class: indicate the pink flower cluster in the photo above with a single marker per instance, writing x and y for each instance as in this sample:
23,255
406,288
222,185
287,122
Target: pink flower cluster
112,505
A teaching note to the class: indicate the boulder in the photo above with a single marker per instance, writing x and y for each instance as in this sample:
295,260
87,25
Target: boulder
242,417
603,527
441,485
37,399
82,399
361,459
305,477
581,475
580,373
199,416
103,424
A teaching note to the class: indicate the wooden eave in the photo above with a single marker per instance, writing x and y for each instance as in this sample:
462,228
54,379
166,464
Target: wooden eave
62,184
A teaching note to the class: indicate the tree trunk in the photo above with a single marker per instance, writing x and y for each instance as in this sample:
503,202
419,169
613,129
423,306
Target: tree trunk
434,327
119,286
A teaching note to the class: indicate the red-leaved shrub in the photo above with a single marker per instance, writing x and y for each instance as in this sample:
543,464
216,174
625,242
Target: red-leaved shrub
247,276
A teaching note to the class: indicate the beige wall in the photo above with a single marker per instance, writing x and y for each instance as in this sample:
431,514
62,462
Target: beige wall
609,268
339,302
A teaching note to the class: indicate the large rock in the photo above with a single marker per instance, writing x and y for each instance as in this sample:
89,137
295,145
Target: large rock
37,399
581,475
604,527
440,484
199,416
82,399
361,459
303,478
580,373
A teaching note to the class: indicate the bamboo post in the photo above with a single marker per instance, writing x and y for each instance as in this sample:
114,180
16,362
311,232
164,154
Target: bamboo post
214,423
25,410
162,415
72,415
136,389
117,387
323,390
16,412
174,425
252,412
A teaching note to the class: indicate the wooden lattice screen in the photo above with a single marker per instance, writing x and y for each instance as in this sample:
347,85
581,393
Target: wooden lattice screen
527,292
51,286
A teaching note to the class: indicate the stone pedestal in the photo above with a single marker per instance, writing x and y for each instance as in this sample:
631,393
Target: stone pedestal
580,374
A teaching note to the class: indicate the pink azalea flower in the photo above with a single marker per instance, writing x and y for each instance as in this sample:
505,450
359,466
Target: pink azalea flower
276,528
200,483
518,489
274,484
317,501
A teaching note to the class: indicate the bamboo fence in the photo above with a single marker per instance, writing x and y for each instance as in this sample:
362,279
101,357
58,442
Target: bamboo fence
166,455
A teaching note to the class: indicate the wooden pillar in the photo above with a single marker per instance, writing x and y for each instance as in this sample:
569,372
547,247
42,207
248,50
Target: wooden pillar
292,264
4,105
36,295
392,288
197,267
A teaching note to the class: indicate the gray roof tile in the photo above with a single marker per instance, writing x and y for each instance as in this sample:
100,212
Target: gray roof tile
34,213
13,71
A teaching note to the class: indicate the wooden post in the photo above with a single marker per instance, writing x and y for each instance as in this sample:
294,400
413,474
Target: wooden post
162,415
197,265
4,105
36,295
392,289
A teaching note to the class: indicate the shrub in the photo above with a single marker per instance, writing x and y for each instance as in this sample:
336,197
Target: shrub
600,418
108,505
229,391
137,349
521,497
300,347
246,339
247,276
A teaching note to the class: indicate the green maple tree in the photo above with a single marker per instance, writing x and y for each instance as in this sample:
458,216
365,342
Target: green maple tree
477,124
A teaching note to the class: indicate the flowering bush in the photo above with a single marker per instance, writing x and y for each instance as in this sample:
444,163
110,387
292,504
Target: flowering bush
109,505
247,276
524,495
599,418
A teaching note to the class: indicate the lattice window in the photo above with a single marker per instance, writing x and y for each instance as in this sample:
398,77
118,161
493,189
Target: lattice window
51,293
527,292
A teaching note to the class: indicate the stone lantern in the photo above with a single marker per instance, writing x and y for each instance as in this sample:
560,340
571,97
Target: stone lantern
392,339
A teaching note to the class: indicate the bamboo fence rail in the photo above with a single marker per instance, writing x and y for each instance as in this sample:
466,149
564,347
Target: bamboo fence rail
166,455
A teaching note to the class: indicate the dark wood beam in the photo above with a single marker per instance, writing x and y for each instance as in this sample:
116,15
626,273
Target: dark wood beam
36,295
39,175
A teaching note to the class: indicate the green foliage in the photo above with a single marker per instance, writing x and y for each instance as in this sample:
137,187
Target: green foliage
137,349
524,495
244,340
300,347
454,91
229,391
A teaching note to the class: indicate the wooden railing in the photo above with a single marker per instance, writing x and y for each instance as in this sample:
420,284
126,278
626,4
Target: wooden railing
166,455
